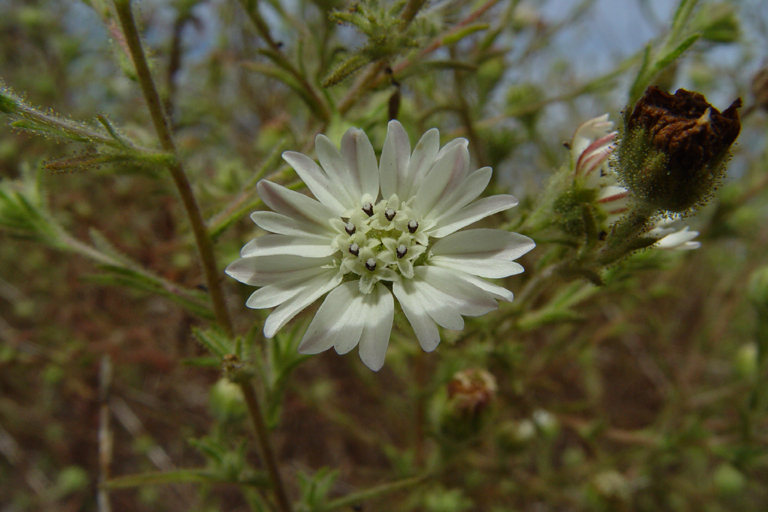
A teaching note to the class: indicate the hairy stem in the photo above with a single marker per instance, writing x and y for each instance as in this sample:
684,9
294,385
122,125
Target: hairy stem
252,402
205,247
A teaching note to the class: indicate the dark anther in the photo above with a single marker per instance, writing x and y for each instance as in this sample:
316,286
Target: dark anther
354,249
413,226
368,209
370,264
401,251
350,228
389,213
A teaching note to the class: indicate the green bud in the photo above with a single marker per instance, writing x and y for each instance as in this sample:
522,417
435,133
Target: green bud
745,361
612,485
512,436
729,480
71,479
226,401
717,22
757,289
546,422
675,148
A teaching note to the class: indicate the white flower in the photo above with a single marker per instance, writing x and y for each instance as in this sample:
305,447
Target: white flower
591,147
378,229
674,235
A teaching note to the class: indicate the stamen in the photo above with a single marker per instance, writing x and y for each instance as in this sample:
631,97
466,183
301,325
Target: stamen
368,209
389,213
413,226
370,264
401,250
350,228
354,249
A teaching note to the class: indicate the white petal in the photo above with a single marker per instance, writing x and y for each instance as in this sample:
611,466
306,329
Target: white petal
270,245
284,225
423,157
336,168
472,186
326,191
275,294
449,147
337,322
395,157
292,204
438,306
422,324
446,174
268,270
496,291
482,252
471,214
588,132
361,162
680,240
476,243
319,286
465,297
378,311
483,267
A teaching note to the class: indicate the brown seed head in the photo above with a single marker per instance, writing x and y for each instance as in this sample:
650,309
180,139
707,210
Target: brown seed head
685,126
674,149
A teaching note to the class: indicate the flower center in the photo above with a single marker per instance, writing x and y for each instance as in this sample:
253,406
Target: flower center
380,241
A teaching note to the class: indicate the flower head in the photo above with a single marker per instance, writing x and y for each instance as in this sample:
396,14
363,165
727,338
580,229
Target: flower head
379,229
591,147
674,149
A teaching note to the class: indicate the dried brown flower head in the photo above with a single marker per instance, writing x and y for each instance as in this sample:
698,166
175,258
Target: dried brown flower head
675,147
470,391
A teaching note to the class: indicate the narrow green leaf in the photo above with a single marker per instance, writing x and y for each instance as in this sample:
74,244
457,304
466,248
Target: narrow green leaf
160,478
460,34
374,492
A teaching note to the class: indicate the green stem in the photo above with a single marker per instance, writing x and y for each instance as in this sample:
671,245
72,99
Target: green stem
212,275
319,106
252,402
373,492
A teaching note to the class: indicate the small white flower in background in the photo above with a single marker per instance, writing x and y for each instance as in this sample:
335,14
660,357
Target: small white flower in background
378,229
591,147
674,235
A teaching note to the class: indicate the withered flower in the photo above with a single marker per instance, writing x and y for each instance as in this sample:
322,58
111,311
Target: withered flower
675,147
470,391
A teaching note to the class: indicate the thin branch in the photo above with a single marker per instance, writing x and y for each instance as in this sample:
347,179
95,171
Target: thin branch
262,434
212,275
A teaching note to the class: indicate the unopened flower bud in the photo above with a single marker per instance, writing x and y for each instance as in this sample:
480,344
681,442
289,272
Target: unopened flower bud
612,486
674,149
546,422
729,481
745,361
226,401
470,391
757,289
717,22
